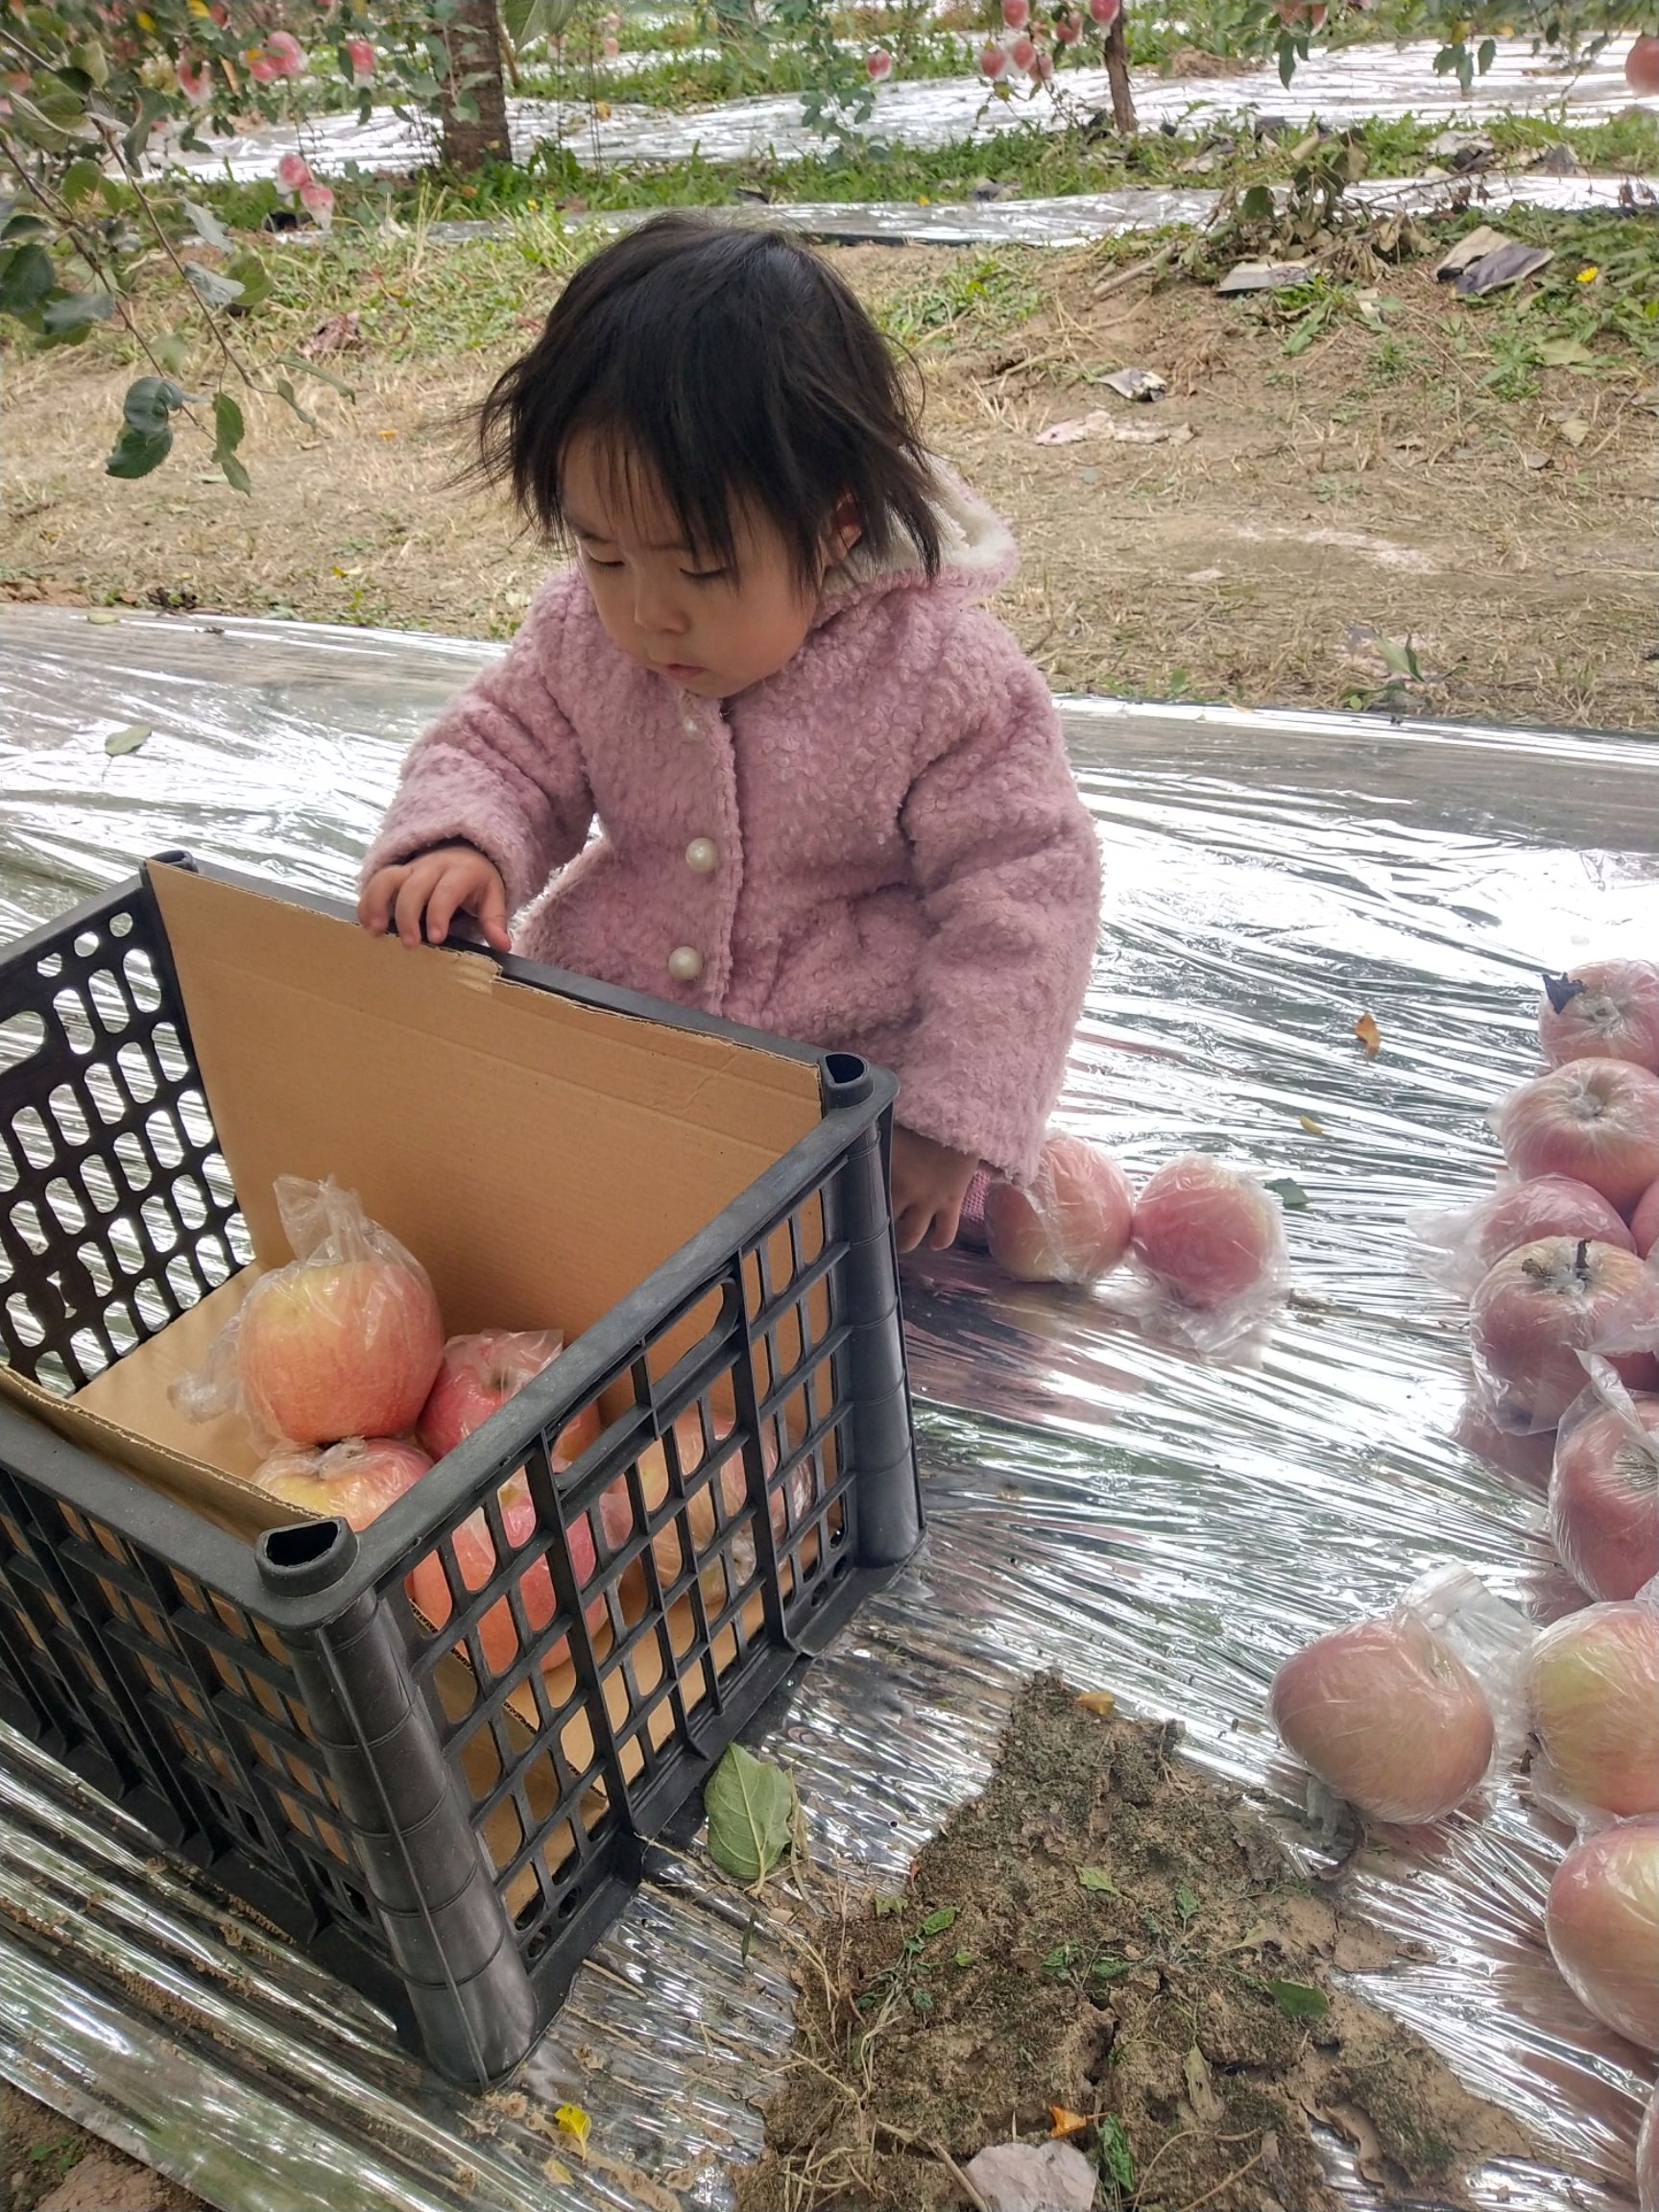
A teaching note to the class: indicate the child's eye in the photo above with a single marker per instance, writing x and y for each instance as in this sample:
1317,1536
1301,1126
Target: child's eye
704,575
594,562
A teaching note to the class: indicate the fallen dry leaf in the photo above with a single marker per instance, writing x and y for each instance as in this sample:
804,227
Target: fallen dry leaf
1099,1701
1369,1035
334,334
1066,2122
1313,1127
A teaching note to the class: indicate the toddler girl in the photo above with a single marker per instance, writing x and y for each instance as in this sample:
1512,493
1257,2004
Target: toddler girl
830,792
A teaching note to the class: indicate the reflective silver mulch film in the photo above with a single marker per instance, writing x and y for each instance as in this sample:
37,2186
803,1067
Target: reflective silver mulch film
1147,1523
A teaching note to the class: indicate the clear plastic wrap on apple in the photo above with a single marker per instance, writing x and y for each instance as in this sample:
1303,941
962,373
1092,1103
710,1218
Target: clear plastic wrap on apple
1592,1687
1604,1010
1071,1225
1542,1305
1595,1120
356,1479
1604,1497
475,1563
337,1348
1602,1922
1207,1233
1388,1716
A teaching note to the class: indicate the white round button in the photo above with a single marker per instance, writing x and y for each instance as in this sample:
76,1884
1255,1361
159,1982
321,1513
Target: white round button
703,856
685,963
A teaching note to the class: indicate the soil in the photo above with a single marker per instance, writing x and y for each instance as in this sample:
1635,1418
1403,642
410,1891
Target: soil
1110,1945
1368,485
41,2151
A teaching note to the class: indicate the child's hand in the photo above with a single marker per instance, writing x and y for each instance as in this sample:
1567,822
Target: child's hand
930,1183
422,897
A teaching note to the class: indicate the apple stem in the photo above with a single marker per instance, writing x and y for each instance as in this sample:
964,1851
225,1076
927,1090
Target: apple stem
1581,1262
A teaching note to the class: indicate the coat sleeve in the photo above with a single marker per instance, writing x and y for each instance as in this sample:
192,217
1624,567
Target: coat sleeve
1008,865
500,768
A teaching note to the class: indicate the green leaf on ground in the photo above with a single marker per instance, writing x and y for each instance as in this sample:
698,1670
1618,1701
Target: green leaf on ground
750,1804
1298,2002
130,739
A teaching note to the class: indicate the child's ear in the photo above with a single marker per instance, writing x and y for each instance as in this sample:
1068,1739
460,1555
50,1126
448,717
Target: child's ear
846,528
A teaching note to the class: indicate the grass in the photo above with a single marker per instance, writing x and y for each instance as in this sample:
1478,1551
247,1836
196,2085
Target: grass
1039,163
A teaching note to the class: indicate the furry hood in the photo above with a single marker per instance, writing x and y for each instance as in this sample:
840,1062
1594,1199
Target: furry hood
976,550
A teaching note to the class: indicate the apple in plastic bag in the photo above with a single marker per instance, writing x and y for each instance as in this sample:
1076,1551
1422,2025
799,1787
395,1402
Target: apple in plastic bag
1604,1010
1604,1500
667,1547
1072,1224
1207,1233
1644,1220
1388,1716
1596,1120
475,1563
1592,1687
477,1376
1648,2142
338,1348
1543,1305
1548,1206
356,1479
1602,1922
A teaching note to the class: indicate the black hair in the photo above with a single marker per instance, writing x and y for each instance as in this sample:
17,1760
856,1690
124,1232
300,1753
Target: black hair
730,369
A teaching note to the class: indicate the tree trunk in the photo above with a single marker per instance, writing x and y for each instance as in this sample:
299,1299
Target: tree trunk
1117,78
473,98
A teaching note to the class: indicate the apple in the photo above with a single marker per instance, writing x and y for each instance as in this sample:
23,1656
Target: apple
335,1348
1016,13
1072,1225
1592,1689
1602,1922
1605,1010
1298,12
1604,1500
1388,1716
1642,67
1549,1206
878,63
667,1547
357,1478
993,61
480,1373
476,1563
1523,1458
1022,53
1644,1220
1105,12
1596,1120
1207,1234
1543,1305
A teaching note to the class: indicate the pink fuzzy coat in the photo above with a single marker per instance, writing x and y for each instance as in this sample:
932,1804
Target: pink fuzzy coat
902,864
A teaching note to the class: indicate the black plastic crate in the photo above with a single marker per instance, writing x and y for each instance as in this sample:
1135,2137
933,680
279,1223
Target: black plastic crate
444,1836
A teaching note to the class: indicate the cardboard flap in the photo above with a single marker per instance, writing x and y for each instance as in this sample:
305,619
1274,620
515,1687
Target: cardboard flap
538,1156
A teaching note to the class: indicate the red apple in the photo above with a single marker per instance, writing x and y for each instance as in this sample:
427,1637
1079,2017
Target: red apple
1022,53
667,1547
357,1478
1644,1220
1596,1120
480,1373
1648,2142
1071,1226
1592,1687
1642,67
475,1562
993,61
1523,1458
1604,1010
1207,1234
1543,1305
1016,13
1389,1716
1105,12
1604,1500
1602,1923
1550,1206
336,1348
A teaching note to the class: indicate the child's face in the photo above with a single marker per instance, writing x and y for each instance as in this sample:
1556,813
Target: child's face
714,631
